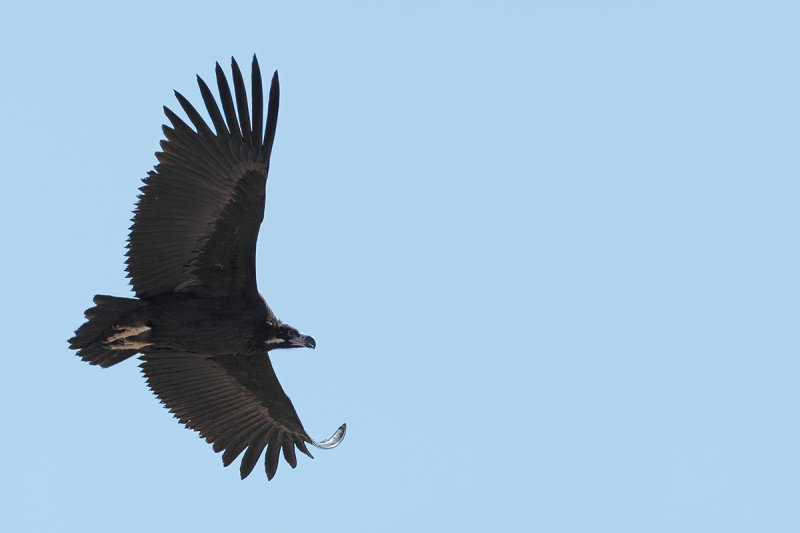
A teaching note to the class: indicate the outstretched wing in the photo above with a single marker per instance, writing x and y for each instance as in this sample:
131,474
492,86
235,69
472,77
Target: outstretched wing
196,223
235,402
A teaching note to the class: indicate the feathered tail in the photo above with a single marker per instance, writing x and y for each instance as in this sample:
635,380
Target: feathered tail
112,332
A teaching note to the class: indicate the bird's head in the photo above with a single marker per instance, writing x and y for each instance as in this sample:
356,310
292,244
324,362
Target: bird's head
288,337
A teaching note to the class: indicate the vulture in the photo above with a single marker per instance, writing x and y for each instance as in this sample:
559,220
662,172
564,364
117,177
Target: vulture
202,331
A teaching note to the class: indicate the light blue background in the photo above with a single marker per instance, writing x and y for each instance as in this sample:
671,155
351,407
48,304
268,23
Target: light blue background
548,251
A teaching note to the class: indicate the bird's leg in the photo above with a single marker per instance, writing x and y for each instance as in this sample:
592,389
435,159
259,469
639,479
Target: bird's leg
124,338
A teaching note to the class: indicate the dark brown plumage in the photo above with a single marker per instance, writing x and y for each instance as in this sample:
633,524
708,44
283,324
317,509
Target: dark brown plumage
201,327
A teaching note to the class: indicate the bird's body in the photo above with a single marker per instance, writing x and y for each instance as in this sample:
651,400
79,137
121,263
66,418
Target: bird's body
182,322
199,323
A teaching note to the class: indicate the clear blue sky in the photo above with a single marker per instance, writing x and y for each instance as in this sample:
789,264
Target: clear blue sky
549,252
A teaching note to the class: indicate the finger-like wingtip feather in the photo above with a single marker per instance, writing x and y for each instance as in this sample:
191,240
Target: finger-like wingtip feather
212,107
253,453
227,102
258,104
271,459
193,115
302,447
177,122
289,455
272,113
241,101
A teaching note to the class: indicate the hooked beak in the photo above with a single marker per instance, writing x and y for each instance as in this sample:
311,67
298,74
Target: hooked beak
309,342
302,341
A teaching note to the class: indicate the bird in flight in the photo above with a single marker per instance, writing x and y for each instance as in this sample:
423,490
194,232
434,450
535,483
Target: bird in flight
201,328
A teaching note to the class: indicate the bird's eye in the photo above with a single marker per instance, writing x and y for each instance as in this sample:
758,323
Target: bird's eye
293,333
